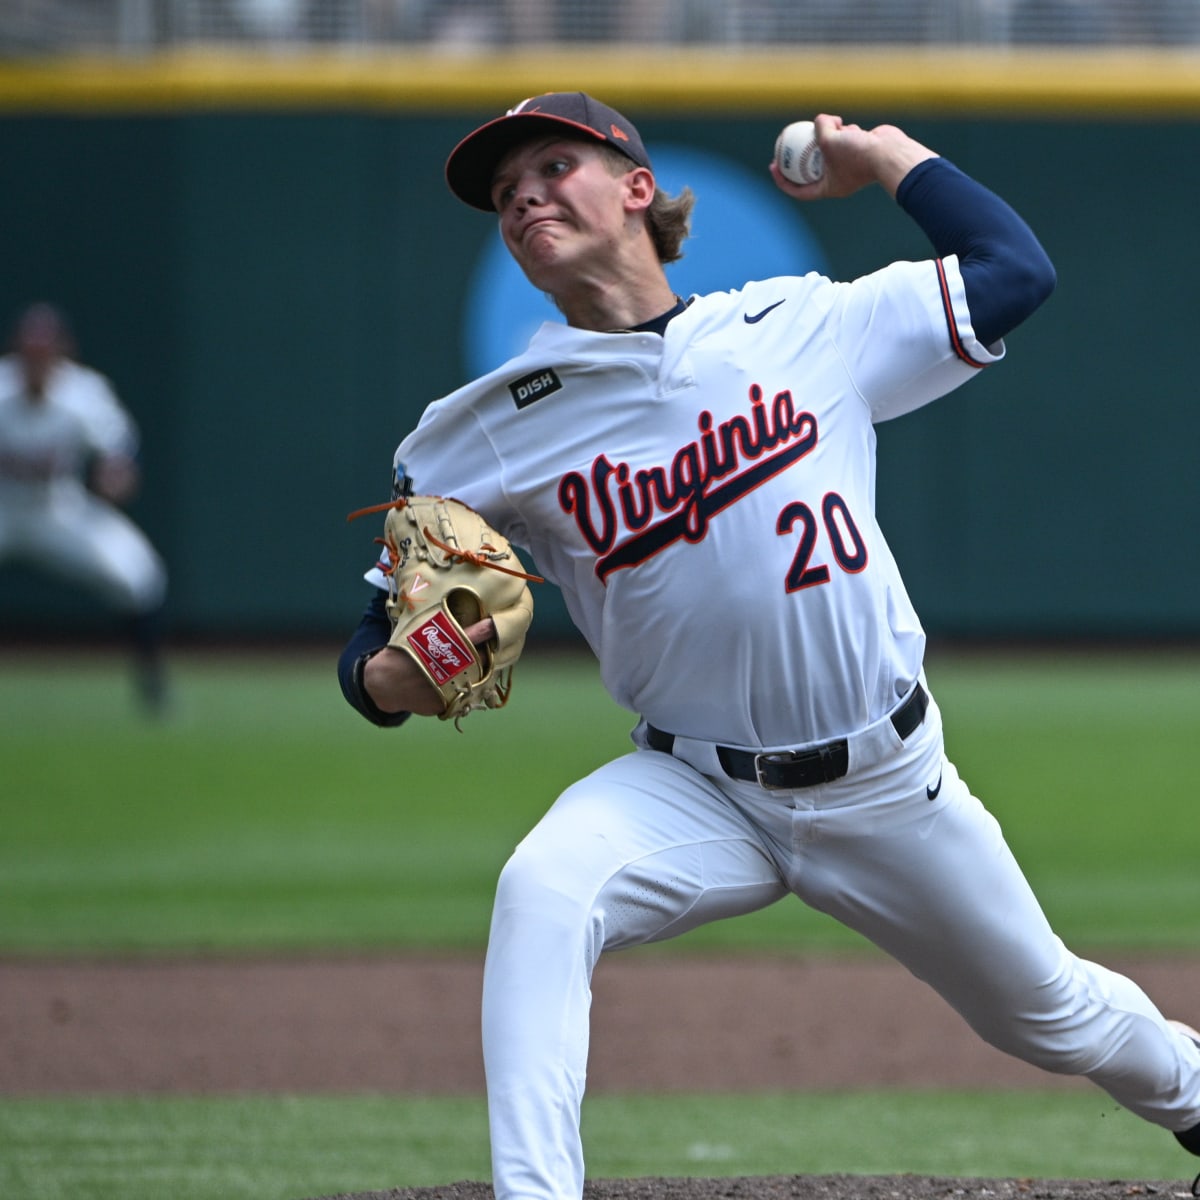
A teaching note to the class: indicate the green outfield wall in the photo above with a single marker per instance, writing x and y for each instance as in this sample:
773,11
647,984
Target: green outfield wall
263,256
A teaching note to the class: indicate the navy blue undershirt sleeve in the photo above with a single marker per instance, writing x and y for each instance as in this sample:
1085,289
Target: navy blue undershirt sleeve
1006,273
372,635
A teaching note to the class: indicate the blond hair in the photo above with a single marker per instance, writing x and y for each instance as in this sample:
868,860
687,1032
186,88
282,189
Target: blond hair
668,219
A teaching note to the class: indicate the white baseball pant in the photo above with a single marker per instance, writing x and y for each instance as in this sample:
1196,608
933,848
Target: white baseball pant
647,847
89,543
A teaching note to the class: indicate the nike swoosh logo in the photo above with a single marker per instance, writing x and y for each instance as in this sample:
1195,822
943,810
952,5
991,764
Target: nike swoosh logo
932,792
754,320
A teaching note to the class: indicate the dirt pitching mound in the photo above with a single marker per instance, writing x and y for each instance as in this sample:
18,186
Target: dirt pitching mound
820,1187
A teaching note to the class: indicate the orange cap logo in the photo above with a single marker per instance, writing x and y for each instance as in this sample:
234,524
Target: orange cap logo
618,133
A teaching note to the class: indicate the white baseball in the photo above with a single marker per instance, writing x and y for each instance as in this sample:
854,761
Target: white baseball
797,153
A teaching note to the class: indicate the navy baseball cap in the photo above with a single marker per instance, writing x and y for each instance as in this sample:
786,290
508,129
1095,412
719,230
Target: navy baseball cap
472,163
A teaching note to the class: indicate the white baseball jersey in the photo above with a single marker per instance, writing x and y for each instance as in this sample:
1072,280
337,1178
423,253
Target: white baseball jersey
44,445
729,461
47,514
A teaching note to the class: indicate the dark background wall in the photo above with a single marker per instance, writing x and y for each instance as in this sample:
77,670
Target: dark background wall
276,295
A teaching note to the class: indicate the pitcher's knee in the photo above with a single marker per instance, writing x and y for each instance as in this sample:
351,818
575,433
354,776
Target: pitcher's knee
543,887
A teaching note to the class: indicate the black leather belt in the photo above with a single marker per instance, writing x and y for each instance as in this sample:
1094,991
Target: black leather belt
785,770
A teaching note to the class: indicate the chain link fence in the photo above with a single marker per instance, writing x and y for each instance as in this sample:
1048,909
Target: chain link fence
41,27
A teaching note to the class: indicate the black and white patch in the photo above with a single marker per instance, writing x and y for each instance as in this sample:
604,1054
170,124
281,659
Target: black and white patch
534,386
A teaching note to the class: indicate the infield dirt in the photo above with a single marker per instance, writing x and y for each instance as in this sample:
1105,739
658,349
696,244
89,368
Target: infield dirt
410,1025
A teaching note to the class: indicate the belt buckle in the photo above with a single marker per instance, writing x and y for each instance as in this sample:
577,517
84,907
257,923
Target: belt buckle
772,758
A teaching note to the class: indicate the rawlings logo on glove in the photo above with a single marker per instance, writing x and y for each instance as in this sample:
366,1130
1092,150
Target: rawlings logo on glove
448,569
442,652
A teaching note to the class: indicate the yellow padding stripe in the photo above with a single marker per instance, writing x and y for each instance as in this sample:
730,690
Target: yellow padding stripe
1135,83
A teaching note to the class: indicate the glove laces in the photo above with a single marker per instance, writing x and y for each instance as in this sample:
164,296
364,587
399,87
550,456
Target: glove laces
484,557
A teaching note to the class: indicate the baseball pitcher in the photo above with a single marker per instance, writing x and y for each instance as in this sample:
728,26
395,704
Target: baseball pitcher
697,474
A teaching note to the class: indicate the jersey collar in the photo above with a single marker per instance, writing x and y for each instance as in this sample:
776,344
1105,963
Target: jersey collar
658,324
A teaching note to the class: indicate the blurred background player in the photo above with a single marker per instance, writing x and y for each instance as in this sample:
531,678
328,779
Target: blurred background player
68,465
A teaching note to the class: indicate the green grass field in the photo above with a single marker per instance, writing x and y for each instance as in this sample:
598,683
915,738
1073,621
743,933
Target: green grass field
262,814
295,1148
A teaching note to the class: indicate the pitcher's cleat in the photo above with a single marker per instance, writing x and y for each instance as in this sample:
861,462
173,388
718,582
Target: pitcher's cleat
1189,1139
